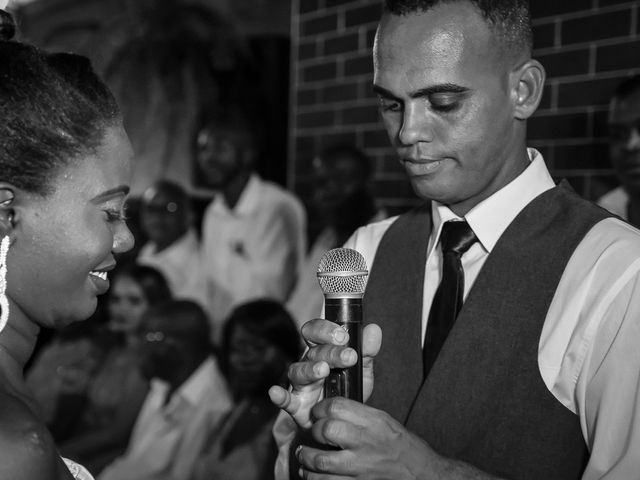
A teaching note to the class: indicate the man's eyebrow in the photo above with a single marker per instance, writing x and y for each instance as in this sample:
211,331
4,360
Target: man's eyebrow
112,192
424,92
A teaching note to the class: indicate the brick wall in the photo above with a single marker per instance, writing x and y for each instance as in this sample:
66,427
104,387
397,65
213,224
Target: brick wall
587,47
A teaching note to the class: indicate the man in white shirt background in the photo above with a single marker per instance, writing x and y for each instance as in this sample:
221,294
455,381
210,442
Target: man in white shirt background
624,151
539,375
173,246
253,231
187,400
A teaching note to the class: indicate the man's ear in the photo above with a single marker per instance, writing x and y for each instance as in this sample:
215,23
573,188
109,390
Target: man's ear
528,84
7,209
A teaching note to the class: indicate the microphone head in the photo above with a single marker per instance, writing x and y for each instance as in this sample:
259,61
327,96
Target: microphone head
342,272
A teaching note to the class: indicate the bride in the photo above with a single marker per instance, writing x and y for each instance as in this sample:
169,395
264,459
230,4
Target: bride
64,171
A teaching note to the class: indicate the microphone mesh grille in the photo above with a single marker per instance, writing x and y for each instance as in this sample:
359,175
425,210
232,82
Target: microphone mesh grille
342,270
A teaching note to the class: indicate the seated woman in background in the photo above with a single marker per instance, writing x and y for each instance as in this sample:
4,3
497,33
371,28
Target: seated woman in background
260,340
64,175
114,393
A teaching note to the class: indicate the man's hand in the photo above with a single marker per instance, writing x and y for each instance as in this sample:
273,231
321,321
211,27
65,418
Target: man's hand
371,445
326,341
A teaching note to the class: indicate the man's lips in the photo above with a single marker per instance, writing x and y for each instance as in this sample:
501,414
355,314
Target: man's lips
422,166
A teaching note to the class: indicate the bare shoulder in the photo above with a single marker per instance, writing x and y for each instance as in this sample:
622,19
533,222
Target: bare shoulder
27,450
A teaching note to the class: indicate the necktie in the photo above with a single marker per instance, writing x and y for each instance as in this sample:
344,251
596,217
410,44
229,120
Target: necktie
455,239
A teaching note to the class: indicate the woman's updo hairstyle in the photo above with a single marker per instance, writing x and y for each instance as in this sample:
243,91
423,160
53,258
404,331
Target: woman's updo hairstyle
53,110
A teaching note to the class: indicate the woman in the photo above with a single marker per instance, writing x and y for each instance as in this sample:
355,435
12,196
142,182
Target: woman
260,340
115,393
64,174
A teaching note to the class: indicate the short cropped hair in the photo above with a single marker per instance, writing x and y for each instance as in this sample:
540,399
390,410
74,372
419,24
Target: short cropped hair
350,151
509,19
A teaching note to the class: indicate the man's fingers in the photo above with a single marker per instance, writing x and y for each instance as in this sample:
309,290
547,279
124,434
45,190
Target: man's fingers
336,357
371,340
321,332
306,373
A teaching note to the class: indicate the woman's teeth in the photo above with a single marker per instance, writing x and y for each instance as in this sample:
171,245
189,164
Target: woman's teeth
102,275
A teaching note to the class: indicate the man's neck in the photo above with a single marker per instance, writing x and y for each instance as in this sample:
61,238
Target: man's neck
234,189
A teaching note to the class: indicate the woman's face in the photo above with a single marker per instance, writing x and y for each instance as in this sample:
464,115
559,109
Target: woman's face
127,303
64,243
255,364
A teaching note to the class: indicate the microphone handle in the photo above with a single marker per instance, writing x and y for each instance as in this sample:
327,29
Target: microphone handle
346,382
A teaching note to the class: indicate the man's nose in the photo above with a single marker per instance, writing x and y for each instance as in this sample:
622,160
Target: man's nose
416,125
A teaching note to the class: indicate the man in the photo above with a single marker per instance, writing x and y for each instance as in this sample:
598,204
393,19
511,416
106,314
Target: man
173,248
624,151
538,376
253,230
343,202
187,400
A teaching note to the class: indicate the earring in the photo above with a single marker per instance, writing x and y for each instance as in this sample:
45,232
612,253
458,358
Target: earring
4,302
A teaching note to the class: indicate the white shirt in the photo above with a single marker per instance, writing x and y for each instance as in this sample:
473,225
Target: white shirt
588,355
253,250
169,436
181,264
616,201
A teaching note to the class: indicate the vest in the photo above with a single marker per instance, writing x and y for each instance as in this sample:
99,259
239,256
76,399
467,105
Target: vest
484,401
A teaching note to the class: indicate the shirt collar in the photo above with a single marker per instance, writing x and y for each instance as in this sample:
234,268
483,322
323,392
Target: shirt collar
491,217
248,202
193,389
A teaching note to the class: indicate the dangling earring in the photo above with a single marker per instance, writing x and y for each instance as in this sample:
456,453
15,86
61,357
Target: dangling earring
4,302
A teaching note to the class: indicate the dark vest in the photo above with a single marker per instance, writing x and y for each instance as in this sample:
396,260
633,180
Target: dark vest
484,401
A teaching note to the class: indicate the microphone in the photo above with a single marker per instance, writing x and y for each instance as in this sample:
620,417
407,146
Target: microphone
342,274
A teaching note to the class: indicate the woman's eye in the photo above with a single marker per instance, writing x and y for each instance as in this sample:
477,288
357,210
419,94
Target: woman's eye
115,215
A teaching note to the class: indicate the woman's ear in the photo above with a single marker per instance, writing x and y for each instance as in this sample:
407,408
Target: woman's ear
528,86
7,210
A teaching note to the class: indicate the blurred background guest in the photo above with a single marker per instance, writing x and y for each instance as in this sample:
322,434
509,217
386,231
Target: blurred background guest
173,246
253,232
99,408
188,396
624,151
259,341
342,201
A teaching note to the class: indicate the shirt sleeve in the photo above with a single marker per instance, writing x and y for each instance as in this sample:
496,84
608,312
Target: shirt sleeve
608,389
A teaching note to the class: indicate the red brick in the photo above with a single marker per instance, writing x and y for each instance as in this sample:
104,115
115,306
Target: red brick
324,71
545,101
589,92
335,3
600,128
306,6
330,139
341,44
307,96
361,65
544,8
326,23
553,127
307,50
376,138
565,63
338,93
618,57
598,26
359,115
363,15
580,157
316,119
544,35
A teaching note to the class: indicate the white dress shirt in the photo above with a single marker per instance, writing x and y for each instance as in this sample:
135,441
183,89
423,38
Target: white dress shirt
181,264
588,353
169,435
253,250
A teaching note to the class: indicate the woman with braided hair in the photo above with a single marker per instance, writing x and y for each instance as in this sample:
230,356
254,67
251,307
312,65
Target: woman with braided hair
64,175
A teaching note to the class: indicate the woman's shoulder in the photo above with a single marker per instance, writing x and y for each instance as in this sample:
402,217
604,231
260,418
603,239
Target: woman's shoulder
27,450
